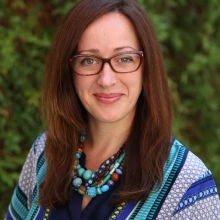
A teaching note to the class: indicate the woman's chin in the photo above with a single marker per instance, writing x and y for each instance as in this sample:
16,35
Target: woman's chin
113,117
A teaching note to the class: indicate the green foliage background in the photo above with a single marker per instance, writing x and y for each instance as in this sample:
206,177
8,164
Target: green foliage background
189,33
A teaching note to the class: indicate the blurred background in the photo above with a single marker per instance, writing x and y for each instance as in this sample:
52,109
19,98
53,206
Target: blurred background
189,35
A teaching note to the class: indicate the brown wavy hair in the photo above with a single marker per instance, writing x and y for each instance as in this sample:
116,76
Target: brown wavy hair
149,142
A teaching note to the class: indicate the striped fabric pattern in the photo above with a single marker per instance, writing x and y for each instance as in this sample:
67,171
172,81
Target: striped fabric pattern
186,184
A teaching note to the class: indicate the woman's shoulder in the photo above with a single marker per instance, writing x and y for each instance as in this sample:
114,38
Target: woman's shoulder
183,168
191,164
193,187
32,174
187,185
34,161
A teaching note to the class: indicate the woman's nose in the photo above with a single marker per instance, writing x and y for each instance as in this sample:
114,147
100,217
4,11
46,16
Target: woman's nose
107,77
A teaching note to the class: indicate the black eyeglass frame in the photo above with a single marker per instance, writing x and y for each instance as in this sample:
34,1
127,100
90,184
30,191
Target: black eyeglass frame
107,60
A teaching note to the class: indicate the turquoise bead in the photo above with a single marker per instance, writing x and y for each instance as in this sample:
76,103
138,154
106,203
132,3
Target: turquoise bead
105,188
91,192
117,165
99,191
87,174
107,178
77,182
78,155
78,166
81,171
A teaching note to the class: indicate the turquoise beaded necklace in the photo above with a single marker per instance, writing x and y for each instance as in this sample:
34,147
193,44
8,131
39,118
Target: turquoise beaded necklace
95,183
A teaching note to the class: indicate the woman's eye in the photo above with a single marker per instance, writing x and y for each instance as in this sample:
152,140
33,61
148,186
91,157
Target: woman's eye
125,59
88,61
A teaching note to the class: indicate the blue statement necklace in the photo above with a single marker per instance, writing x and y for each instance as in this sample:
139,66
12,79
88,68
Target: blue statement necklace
95,183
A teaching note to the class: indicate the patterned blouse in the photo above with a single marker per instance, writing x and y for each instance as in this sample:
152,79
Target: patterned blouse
188,191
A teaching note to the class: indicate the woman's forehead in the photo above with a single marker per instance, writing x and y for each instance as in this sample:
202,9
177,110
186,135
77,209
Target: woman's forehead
108,33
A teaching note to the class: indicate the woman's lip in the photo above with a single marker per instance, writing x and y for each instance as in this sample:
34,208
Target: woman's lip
107,95
108,98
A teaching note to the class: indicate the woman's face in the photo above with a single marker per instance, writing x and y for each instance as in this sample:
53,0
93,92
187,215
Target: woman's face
109,96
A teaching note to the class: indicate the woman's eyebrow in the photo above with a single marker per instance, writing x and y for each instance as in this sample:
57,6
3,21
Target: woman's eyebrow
92,50
124,47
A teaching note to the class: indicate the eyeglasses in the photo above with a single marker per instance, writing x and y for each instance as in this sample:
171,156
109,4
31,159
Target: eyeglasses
87,65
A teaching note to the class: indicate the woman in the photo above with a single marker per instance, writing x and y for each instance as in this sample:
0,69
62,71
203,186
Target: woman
108,152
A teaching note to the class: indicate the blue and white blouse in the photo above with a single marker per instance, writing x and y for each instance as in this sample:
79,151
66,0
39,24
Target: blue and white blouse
188,191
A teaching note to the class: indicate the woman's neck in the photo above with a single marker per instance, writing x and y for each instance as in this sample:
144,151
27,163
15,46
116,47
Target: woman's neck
103,140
